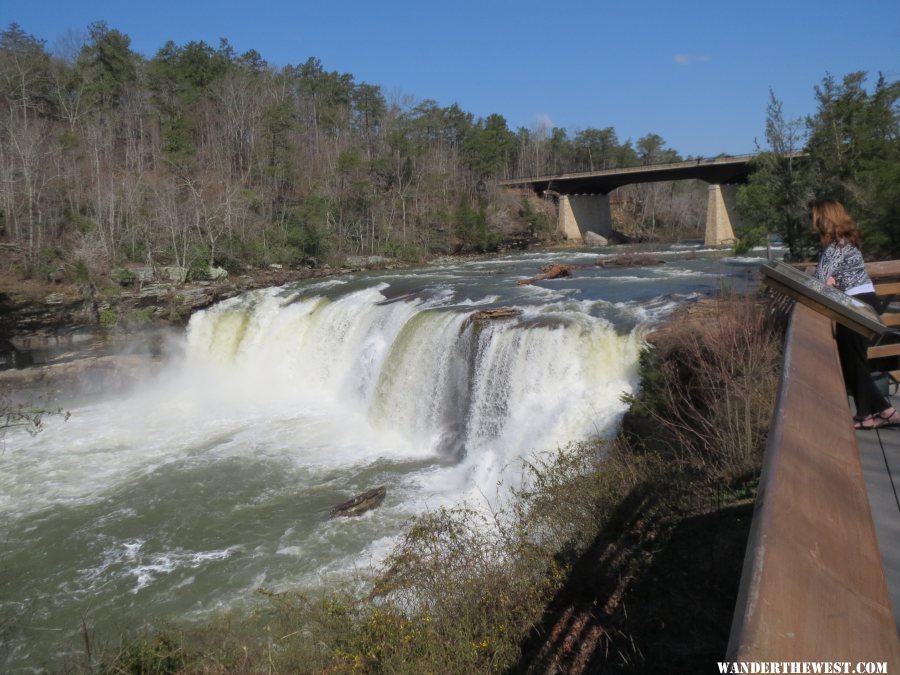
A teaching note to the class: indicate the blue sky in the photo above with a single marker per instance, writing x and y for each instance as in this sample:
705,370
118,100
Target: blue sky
696,73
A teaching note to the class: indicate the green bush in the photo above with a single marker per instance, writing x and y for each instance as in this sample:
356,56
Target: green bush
122,276
538,223
82,273
472,228
108,317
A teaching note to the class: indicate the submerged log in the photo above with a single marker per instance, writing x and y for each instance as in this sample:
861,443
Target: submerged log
550,272
497,313
360,504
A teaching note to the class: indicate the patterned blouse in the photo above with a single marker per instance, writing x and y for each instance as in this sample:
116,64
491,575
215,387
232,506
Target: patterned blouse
845,264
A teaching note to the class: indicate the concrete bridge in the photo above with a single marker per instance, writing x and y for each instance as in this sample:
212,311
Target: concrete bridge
583,198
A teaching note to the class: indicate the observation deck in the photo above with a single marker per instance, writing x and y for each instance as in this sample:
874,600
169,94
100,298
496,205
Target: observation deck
821,577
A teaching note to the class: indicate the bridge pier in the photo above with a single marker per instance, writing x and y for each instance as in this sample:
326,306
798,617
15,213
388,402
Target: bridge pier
721,212
580,214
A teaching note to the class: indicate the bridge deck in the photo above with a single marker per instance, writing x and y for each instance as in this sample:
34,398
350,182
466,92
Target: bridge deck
879,455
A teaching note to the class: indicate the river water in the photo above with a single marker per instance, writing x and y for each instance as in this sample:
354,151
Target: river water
216,476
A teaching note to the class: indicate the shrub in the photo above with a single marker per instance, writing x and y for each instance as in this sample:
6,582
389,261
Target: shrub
710,385
108,317
122,276
160,655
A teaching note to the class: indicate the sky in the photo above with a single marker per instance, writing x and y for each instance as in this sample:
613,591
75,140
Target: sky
696,73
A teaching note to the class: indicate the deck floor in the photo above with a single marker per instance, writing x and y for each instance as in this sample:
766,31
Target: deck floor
879,454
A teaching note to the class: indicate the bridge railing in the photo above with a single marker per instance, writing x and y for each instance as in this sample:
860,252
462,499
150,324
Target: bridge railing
813,586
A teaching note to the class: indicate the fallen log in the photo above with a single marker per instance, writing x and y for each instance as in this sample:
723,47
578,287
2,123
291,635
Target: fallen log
630,260
360,504
550,272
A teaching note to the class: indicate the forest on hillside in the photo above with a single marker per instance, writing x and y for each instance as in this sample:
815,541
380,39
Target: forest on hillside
201,156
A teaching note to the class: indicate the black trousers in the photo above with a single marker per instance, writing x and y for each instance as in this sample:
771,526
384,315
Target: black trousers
853,353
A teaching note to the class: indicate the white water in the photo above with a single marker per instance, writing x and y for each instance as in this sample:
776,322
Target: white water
411,380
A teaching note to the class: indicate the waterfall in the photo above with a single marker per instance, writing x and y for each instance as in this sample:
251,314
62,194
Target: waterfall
427,375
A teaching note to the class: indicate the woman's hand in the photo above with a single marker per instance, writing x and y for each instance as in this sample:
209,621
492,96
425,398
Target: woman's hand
830,281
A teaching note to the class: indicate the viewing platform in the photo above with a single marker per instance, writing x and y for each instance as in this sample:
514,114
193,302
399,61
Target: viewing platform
821,576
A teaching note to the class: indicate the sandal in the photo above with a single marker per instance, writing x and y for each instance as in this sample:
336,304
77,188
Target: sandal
888,420
878,420
867,423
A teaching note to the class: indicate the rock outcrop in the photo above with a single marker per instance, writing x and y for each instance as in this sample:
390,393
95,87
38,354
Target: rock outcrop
497,313
360,504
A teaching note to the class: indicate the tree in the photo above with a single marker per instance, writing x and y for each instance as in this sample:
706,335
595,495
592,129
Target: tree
489,147
107,64
369,110
25,82
854,146
25,139
596,149
774,200
651,149
200,155
472,228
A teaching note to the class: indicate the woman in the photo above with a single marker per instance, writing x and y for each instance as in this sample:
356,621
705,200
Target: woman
841,266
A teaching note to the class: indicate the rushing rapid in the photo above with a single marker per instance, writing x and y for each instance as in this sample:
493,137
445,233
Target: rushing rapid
216,476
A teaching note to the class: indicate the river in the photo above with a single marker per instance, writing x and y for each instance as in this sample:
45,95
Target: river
216,476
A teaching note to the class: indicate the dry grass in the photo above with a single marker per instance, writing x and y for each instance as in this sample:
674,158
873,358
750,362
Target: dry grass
713,390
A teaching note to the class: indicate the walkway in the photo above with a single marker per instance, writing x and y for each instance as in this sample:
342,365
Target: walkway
879,455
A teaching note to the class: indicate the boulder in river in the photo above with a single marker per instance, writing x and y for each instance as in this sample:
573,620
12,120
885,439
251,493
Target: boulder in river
594,239
361,503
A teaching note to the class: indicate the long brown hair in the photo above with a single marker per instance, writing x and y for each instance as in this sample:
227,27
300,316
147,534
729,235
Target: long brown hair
831,220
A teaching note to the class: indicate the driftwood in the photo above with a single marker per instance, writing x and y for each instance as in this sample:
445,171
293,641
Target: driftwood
630,260
360,504
498,313
550,272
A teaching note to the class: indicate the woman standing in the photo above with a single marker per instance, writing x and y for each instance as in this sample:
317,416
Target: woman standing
841,266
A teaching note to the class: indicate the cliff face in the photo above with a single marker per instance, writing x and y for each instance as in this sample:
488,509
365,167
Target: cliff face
38,315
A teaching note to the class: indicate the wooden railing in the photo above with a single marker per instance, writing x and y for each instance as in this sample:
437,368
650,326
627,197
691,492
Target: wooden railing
813,586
